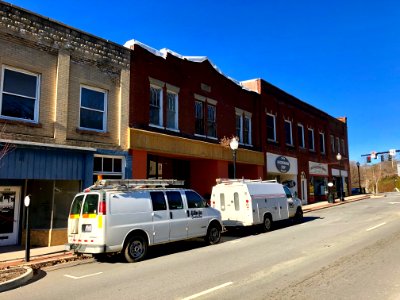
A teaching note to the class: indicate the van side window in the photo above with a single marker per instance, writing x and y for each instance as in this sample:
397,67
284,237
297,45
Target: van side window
236,199
77,205
90,204
158,201
287,192
194,200
174,200
222,199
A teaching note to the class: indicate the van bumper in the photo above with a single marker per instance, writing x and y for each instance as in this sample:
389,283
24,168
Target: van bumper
84,248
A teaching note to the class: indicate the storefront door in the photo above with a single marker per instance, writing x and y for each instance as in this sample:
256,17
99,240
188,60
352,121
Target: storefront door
9,214
304,190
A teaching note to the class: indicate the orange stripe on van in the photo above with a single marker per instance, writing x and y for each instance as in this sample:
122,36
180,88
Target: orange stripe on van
74,216
89,216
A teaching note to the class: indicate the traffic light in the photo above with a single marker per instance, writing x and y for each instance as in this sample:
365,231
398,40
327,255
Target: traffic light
368,159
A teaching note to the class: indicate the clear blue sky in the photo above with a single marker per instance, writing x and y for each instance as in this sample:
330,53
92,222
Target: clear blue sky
342,57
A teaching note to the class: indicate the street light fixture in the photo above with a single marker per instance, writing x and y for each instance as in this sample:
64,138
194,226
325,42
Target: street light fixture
359,177
339,158
234,144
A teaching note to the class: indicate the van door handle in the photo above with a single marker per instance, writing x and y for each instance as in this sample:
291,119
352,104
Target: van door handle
170,215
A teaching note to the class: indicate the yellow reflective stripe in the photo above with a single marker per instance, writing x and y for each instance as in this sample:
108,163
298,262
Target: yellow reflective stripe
100,221
74,216
89,216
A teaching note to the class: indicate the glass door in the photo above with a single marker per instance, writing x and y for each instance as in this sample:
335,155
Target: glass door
9,214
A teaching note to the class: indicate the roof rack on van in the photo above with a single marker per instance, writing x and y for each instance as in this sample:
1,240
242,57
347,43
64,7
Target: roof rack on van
228,180
134,183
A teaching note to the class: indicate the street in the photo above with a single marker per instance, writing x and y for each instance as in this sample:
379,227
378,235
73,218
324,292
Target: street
350,251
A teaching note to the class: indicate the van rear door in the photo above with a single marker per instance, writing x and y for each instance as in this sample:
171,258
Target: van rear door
85,223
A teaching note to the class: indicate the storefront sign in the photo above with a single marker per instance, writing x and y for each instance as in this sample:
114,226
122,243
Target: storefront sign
282,164
318,168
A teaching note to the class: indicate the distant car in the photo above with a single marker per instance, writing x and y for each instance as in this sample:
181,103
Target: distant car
355,191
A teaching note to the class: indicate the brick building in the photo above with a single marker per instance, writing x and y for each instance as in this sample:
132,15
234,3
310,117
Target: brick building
62,94
181,107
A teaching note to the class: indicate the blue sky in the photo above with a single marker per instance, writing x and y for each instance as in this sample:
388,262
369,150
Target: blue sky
342,57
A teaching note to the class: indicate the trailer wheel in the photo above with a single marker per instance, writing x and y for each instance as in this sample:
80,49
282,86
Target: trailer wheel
267,224
298,217
135,249
213,234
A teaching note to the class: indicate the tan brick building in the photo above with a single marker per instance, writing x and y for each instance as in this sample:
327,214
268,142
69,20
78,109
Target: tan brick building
63,115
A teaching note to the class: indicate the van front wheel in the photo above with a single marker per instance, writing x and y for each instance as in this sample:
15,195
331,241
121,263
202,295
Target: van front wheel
135,249
213,234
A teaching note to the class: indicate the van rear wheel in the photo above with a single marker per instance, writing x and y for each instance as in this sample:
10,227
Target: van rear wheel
267,224
135,249
213,234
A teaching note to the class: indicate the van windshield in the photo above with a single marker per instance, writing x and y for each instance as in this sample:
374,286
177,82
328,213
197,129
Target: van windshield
77,205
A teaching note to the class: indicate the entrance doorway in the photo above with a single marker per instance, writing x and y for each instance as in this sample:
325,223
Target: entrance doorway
9,214
304,191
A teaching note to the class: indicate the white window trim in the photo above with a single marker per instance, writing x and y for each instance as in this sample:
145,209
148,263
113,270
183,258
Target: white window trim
239,114
105,107
160,112
302,136
291,133
313,140
174,92
37,95
123,165
323,142
274,118
248,116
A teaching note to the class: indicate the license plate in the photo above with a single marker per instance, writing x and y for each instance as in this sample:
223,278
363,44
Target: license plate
87,227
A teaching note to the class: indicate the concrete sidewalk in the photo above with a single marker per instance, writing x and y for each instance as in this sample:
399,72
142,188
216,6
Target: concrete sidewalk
15,255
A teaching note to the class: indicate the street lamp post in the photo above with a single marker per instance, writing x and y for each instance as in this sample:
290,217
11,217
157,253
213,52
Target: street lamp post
339,158
234,144
359,177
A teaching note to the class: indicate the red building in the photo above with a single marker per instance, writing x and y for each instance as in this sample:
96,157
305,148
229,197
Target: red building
182,107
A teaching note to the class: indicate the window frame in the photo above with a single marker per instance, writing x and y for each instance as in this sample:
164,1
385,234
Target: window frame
338,144
312,141
333,148
176,116
160,108
37,94
301,138
290,133
105,99
322,143
197,120
113,173
274,128
212,123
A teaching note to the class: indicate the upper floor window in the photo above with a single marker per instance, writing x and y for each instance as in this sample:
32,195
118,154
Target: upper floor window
172,110
333,143
288,133
211,121
93,109
243,126
343,148
311,145
337,145
20,95
199,117
271,128
109,167
156,106
322,142
300,135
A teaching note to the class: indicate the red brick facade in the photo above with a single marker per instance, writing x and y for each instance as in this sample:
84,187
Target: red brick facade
199,158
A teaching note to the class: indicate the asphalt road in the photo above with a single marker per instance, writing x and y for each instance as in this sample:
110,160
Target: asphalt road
350,251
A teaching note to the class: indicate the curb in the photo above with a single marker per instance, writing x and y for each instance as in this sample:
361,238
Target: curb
17,282
328,205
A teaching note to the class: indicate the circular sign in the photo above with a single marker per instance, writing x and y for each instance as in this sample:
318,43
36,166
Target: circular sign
282,164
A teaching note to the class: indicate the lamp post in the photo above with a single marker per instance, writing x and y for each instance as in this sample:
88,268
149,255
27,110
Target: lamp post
234,144
359,177
339,158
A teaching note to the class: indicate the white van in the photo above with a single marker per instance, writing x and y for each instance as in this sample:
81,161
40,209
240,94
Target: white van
246,202
129,215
